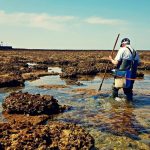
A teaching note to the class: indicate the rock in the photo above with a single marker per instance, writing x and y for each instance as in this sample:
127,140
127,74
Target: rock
11,80
53,86
101,67
87,68
91,92
25,103
144,66
69,72
73,82
35,75
21,118
40,67
83,68
140,75
54,135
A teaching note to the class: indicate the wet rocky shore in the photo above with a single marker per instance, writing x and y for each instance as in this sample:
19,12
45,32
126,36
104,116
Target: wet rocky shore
54,135
29,119
19,65
26,115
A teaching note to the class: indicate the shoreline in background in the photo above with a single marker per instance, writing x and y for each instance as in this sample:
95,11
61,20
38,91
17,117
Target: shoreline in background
72,50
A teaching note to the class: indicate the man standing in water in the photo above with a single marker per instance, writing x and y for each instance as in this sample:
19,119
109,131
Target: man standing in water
126,59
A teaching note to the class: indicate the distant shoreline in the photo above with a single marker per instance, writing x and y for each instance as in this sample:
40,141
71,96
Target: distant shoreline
64,50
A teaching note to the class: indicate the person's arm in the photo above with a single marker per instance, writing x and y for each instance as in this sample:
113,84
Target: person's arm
115,62
118,57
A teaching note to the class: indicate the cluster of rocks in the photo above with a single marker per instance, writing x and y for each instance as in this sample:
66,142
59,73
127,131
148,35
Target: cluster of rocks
11,80
144,66
140,74
20,68
84,68
58,62
38,67
14,64
13,68
73,63
30,132
25,103
13,76
90,68
9,68
35,75
54,135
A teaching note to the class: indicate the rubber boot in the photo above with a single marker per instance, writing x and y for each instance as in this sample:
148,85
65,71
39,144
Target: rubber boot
114,92
129,94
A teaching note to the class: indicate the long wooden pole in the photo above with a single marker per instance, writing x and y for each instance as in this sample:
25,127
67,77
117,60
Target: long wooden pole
108,62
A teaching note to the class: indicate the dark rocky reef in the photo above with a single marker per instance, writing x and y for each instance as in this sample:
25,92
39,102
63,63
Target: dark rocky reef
140,75
54,135
11,80
39,67
25,103
73,63
26,127
69,72
82,68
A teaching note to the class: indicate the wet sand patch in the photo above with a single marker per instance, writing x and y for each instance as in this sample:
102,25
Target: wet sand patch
85,91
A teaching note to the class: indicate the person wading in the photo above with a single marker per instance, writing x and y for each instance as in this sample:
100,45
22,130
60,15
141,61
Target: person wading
126,61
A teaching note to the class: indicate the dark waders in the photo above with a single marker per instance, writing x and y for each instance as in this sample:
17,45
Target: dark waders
127,91
127,65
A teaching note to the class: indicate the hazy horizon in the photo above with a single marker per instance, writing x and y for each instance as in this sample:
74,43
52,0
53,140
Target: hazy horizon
63,24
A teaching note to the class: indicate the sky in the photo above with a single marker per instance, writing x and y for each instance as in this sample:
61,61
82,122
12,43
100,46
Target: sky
74,24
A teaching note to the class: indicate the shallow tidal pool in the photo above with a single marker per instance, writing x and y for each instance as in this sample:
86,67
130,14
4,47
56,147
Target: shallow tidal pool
114,125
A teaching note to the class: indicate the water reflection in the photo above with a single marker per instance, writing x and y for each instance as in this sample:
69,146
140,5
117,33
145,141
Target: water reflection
119,119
